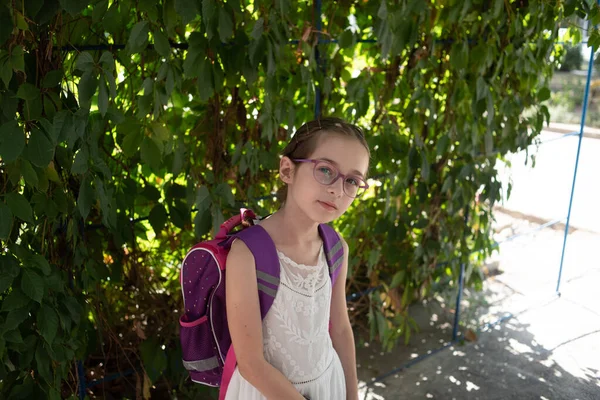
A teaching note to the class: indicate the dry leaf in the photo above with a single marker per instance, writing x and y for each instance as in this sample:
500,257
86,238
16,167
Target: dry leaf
470,335
147,386
137,325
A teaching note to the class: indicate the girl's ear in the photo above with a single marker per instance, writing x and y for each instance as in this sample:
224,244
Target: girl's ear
286,169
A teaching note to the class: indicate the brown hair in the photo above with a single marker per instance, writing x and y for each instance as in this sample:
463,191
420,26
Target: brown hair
305,141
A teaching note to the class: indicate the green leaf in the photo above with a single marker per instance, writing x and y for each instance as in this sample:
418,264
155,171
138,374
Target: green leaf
225,25
209,11
397,279
85,62
14,318
258,29
52,78
74,308
543,94
17,58
161,44
187,10
32,285
12,141
19,206
27,91
6,26
103,98
43,363
29,173
15,299
87,87
40,151
47,322
346,39
14,336
73,7
86,197
223,190
40,262
138,40
202,222
6,72
459,55
205,80
158,218
6,217
154,358
150,153
5,281
80,164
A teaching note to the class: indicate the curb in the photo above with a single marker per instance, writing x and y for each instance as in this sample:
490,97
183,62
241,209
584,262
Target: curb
588,132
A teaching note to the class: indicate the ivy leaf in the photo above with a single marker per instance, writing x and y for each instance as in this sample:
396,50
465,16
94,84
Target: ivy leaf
158,218
223,190
15,299
74,308
15,317
225,25
52,78
32,285
27,91
103,98
19,206
150,153
202,222
6,217
86,197
12,141
209,10
85,62
154,358
40,262
5,282
161,44
73,7
138,39
40,150
17,58
43,363
80,164
29,173
47,322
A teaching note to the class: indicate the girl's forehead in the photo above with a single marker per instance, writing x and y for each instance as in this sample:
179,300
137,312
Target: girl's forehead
345,151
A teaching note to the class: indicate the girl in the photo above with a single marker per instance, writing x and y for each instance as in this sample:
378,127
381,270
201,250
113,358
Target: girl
291,354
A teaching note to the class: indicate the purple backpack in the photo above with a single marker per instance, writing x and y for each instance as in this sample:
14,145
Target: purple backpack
205,340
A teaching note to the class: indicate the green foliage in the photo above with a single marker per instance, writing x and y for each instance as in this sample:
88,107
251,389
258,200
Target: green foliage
118,156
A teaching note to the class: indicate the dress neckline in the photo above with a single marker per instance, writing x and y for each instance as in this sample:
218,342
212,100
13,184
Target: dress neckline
288,260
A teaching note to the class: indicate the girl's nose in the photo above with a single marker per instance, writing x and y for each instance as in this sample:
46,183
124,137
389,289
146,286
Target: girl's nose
337,187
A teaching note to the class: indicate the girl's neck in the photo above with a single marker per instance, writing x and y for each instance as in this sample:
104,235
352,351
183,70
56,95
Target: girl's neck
295,226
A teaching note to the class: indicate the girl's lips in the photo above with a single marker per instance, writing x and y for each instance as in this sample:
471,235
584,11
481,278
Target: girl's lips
327,205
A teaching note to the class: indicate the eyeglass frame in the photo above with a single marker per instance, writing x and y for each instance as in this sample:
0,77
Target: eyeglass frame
338,176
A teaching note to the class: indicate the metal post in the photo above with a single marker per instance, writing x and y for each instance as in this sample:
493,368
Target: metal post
581,127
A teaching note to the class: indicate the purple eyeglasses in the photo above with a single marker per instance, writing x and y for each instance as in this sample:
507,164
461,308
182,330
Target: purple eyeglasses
327,174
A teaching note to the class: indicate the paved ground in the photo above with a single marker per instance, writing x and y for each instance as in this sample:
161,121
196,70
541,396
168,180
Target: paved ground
549,348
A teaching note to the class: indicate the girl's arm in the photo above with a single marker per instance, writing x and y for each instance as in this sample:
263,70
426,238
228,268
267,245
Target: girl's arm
245,326
341,330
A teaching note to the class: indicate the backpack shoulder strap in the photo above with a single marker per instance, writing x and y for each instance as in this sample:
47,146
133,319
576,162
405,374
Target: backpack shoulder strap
267,264
334,250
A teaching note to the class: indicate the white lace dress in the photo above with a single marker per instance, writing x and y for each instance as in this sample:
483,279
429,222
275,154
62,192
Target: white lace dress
296,335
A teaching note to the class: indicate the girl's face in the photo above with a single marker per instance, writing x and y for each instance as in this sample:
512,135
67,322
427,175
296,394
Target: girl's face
324,203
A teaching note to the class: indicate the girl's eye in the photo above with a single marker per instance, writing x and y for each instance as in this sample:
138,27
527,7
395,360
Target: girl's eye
352,181
325,170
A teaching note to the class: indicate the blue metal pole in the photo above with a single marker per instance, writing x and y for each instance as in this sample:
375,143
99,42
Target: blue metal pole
581,127
82,384
318,57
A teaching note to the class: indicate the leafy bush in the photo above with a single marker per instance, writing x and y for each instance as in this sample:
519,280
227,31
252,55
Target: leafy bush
117,156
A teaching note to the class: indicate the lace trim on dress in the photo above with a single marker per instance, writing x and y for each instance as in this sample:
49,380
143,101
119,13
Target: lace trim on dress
304,294
298,265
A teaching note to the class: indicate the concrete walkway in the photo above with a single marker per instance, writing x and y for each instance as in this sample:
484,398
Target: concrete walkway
549,347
